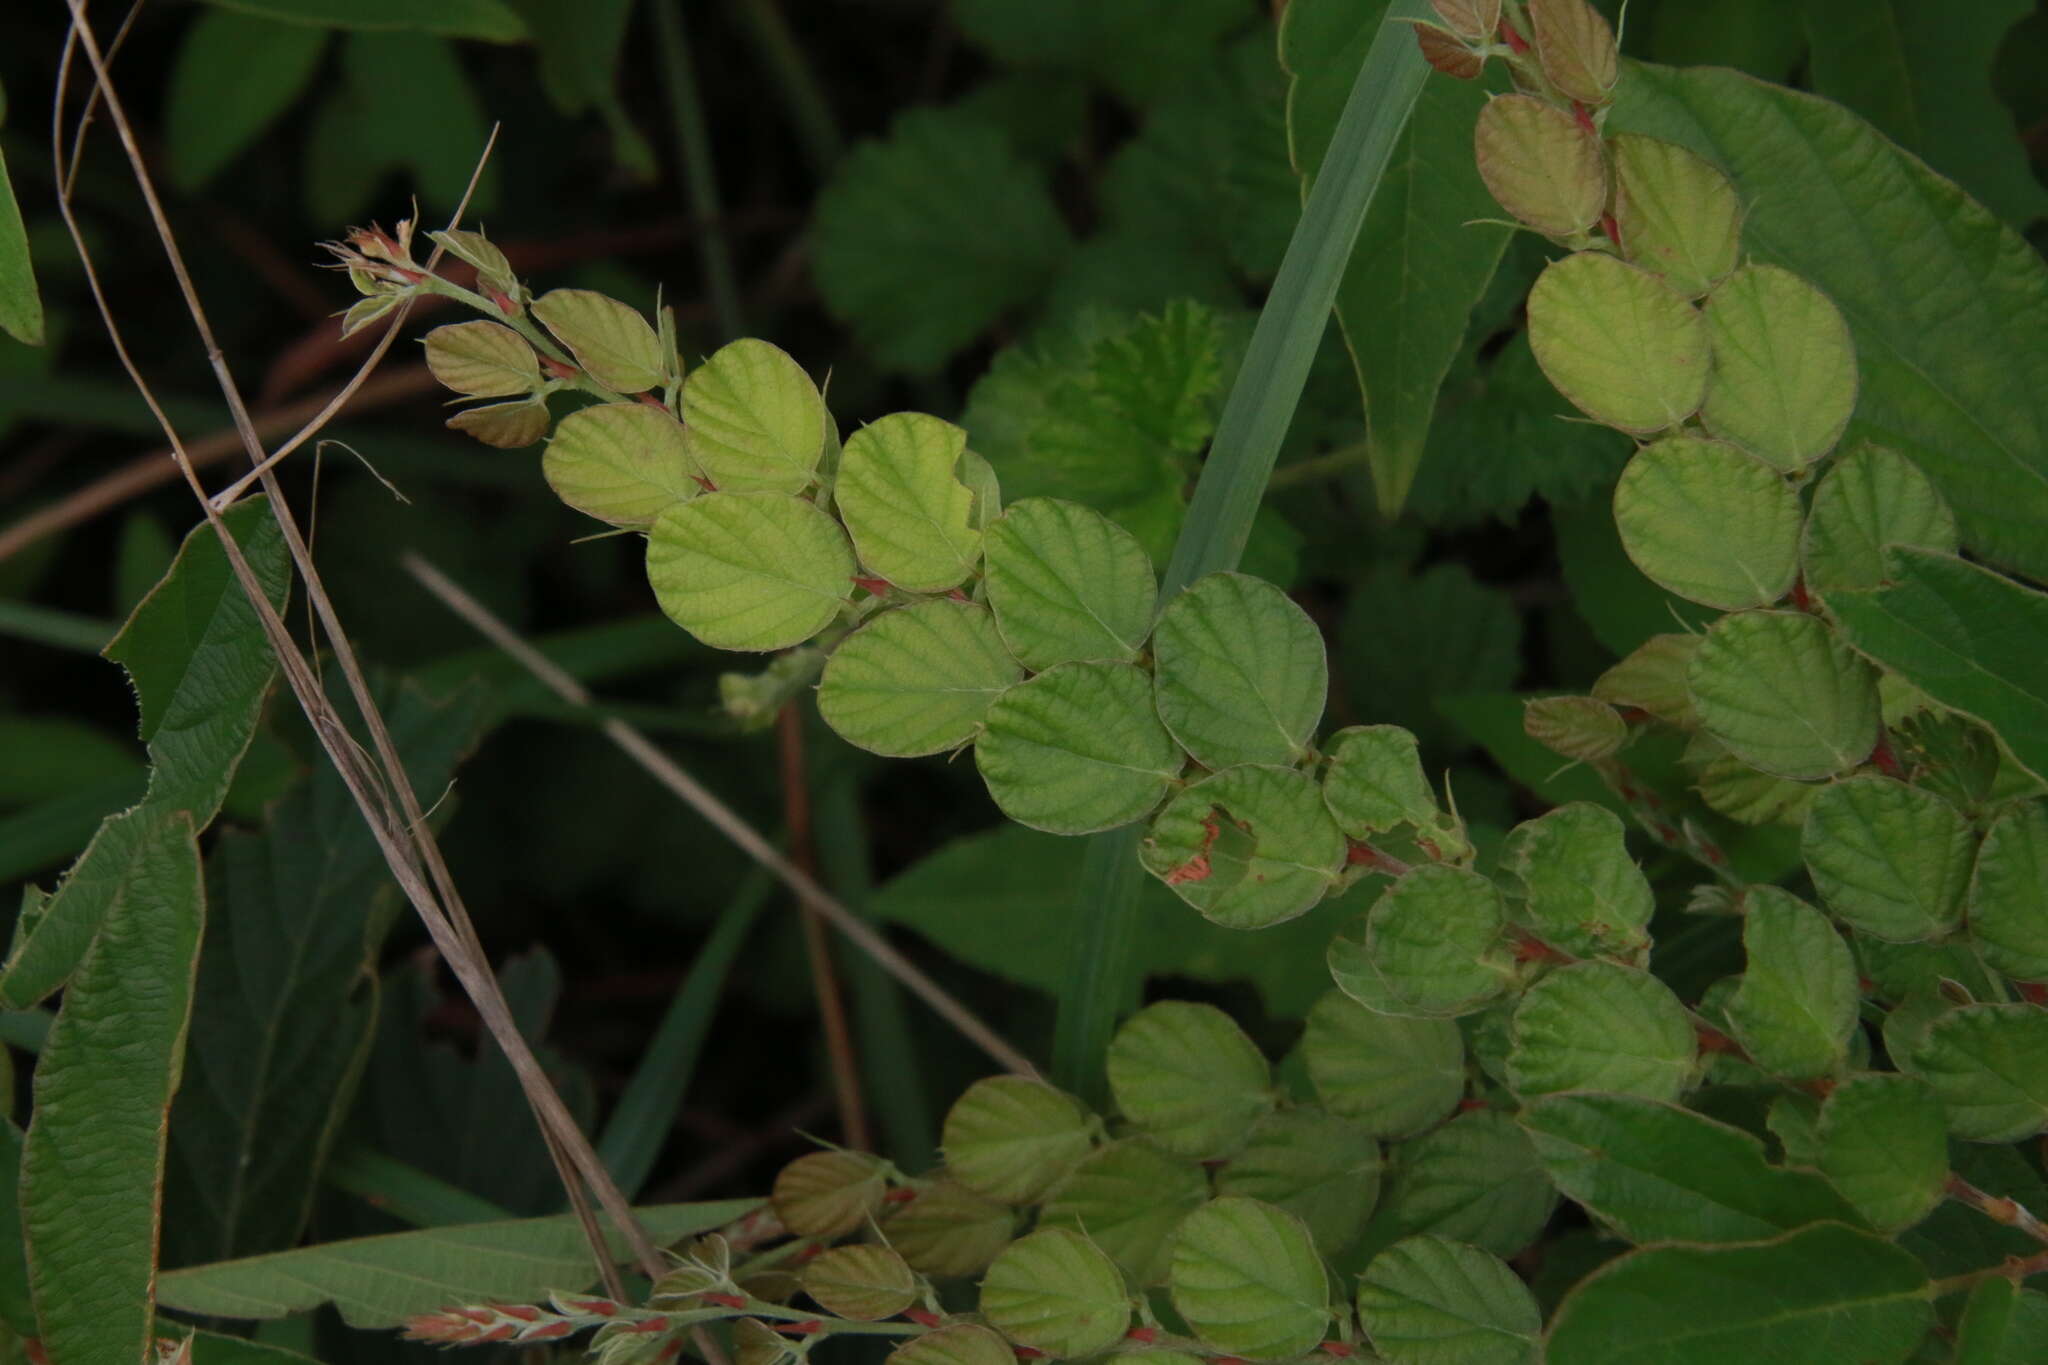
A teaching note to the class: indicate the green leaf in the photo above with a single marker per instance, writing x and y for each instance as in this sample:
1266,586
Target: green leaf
624,463
829,1194
1239,672
1188,1078
21,307
1884,1146
1784,694
1129,1197
482,359
1584,893
753,571
92,1166
1679,217
405,103
2007,903
1011,1138
1138,48
1796,1007
1622,345
908,511
948,1230
1540,165
1659,1173
234,76
754,421
1435,938
1821,1293
1248,847
961,1343
1375,781
1922,78
1322,1168
1055,1291
613,343
1078,748
1784,379
1968,638
1247,1280
1599,1026
1408,639
1475,1179
1396,1076
1989,1066
489,20
1067,583
200,663
287,998
1945,305
2002,1325
1403,327
865,1283
381,1281
1890,859
916,680
916,207
1870,498
1427,1301
1710,522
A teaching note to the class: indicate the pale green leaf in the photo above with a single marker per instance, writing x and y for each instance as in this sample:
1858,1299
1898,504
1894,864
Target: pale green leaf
1870,498
862,1282
1067,583
482,359
1434,940
614,344
917,679
754,420
900,493
1010,1138
1599,1026
948,1230
1678,216
1891,859
1247,1279
1375,781
1129,1197
382,1281
1710,522
1396,1076
1622,345
1249,847
1078,748
624,463
1583,892
1541,165
828,1194
960,1343
1431,1301
1188,1078
1784,379
1796,1007
1240,672
1322,1168
753,571
1057,1292
1784,694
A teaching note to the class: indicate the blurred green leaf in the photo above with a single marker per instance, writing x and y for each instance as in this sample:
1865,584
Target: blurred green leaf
1922,74
17,1310
381,1281
1967,637
1404,322
1947,306
405,103
2002,1325
288,998
1761,37
200,665
489,20
924,239
1407,640
51,756
235,74
406,1192
1137,47
93,1165
21,307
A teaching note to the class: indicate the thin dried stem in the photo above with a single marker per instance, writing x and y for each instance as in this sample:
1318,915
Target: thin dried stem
722,817
401,832
796,809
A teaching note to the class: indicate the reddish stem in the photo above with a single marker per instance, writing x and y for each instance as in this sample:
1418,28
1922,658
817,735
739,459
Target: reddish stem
1514,40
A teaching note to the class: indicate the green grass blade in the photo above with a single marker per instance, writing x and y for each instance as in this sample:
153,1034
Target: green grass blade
405,1192
1248,436
641,1121
58,629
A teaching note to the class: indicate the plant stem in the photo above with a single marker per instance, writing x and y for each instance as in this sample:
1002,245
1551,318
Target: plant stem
1102,974
1327,466
700,178
803,99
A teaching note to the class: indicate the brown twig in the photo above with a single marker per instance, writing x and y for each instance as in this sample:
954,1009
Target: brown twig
670,774
803,848
1997,1208
382,792
160,467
